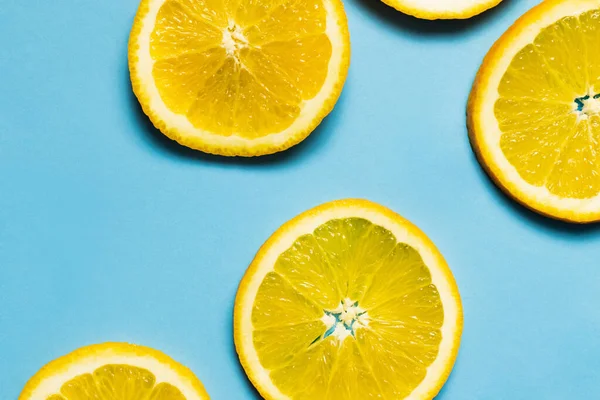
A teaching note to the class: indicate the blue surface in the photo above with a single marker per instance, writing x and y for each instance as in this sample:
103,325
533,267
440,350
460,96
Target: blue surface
109,232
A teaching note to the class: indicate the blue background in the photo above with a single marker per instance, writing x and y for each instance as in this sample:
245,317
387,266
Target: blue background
110,232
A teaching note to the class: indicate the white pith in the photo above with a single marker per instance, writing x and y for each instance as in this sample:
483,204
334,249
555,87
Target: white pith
490,134
351,318
403,234
87,364
181,125
234,40
591,107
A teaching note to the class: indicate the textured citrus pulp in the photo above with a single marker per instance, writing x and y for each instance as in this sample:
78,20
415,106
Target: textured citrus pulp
114,371
442,9
236,77
348,301
534,111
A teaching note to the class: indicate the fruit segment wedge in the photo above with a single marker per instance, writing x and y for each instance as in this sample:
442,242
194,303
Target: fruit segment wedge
238,77
348,301
534,111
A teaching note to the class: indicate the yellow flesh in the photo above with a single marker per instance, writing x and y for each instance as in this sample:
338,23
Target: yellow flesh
240,68
356,260
117,382
544,136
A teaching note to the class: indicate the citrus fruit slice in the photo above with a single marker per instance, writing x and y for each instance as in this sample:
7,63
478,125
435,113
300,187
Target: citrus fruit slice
348,301
114,371
238,78
534,111
442,9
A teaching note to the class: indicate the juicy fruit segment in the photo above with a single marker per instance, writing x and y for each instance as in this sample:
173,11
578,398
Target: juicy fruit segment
117,382
348,312
240,68
549,108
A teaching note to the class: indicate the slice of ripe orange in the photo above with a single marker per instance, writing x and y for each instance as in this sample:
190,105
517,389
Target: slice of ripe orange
236,77
442,9
348,301
534,111
112,371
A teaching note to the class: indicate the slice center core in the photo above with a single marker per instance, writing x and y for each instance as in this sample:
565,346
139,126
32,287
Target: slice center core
234,40
343,321
588,105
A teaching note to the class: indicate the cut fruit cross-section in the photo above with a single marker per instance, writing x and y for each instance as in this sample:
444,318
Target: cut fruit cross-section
234,77
534,111
112,371
442,9
348,301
